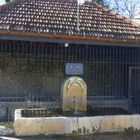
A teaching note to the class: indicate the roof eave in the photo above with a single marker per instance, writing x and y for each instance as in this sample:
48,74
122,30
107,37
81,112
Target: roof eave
62,38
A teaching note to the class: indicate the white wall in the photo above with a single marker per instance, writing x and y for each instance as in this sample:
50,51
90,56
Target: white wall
67,125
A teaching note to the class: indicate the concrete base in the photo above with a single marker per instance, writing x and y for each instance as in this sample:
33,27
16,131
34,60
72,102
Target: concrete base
4,131
73,125
8,138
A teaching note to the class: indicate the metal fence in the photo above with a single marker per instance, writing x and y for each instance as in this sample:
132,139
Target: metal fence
31,74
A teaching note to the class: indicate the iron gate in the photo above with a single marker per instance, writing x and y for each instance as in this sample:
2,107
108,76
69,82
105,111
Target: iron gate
31,74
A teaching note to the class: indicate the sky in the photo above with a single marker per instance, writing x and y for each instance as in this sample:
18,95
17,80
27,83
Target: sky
1,2
80,1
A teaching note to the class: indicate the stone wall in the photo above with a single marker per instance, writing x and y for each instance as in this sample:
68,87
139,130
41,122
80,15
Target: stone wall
20,78
72,125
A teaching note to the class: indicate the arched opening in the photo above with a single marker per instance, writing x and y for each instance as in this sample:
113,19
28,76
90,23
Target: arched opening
74,94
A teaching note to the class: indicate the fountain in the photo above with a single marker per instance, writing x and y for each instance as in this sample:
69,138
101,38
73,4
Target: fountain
73,102
74,91
76,112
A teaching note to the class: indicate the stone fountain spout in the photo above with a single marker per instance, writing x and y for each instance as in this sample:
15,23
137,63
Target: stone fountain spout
74,95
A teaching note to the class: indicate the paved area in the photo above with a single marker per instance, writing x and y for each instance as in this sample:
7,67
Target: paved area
8,138
99,137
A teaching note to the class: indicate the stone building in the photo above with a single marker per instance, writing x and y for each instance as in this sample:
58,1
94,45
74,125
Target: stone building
40,47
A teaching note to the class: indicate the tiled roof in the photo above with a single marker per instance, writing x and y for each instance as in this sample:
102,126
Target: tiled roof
60,17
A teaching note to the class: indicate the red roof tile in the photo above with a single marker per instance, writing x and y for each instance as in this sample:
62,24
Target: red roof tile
60,17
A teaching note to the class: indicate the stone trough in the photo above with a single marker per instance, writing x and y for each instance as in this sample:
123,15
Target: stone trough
73,98
73,125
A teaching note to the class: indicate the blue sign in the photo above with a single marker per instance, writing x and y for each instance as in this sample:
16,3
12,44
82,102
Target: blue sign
74,69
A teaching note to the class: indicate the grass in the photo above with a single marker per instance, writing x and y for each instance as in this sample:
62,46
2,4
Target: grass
7,124
131,131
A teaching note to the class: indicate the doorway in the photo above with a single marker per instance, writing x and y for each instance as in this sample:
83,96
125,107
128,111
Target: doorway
134,88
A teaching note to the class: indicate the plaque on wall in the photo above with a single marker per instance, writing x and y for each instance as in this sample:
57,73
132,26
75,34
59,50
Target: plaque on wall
74,68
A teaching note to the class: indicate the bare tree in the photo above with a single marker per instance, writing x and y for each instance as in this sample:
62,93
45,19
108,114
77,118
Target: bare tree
125,7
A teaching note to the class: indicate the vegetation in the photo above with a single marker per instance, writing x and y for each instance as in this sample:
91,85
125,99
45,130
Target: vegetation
131,131
7,1
7,124
74,132
99,1
84,130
